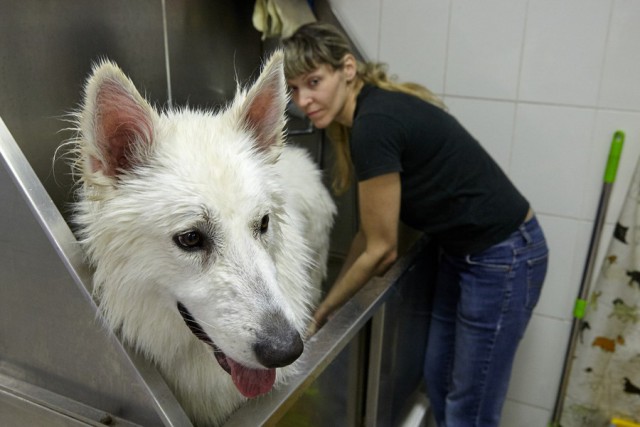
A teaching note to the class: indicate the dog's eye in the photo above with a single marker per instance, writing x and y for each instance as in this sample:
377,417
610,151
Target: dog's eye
264,224
191,240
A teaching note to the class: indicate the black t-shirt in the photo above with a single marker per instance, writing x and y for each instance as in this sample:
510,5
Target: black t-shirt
451,188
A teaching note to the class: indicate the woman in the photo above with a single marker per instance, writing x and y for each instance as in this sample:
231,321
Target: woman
416,164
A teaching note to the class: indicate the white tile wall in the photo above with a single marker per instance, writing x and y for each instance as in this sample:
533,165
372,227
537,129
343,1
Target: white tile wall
620,88
543,84
488,36
413,37
550,156
561,285
490,122
564,50
361,21
536,371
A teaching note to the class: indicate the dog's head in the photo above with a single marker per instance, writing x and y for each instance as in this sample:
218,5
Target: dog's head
182,215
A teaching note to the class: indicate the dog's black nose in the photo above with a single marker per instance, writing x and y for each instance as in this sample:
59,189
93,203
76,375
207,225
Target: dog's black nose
278,344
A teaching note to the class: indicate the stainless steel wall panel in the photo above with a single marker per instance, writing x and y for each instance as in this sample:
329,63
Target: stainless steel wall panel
46,51
212,44
23,404
399,340
50,333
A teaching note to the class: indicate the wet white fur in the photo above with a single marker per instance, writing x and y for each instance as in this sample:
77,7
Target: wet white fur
211,168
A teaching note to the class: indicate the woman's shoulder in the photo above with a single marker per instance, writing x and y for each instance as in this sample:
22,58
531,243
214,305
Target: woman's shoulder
375,103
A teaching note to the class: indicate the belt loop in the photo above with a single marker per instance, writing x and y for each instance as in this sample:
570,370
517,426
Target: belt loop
525,233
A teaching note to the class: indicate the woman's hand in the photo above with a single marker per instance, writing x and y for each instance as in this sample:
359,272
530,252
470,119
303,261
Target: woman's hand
374,247
319,319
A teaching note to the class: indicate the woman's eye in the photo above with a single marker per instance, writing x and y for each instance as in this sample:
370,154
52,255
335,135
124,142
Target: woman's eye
190,240
264,224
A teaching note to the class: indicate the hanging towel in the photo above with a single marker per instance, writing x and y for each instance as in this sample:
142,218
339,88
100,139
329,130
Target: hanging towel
605,377
280,18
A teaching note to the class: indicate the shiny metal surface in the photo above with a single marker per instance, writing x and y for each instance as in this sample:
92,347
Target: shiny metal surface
47,48
398,342
22,404
212,46
50,334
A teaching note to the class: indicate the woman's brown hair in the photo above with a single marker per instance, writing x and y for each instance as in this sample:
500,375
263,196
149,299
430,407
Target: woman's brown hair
318,43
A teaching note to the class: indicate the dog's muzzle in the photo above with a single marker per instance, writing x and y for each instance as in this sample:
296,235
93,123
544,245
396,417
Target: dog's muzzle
278,345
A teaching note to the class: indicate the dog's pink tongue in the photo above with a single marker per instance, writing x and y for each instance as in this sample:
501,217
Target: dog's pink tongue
251,382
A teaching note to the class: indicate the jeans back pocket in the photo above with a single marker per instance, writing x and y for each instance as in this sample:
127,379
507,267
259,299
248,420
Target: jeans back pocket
536,272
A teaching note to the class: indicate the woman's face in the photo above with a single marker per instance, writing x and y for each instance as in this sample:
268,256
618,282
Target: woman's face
322,95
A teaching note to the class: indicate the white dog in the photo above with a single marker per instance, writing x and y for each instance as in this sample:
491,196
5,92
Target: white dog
208,235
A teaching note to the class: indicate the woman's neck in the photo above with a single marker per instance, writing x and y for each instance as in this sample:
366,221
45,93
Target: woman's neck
345,117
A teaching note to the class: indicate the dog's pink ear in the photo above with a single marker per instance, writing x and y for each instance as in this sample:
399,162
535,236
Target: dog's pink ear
117,123
263,109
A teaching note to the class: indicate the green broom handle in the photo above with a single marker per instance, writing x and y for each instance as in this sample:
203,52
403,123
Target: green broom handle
609,178
614,157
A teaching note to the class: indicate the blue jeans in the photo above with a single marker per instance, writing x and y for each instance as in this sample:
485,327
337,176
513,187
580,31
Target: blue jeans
482,305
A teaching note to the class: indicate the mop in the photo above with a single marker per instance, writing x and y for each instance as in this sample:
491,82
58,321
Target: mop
581,302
